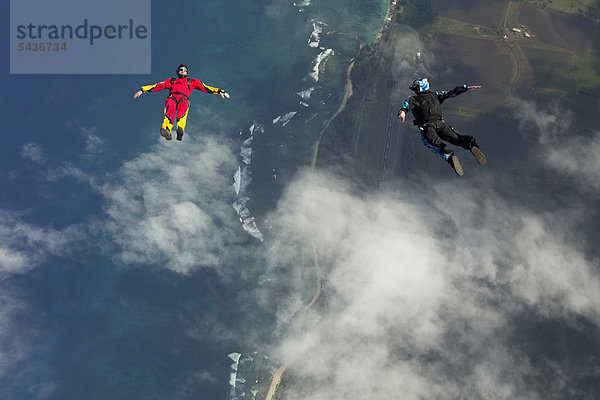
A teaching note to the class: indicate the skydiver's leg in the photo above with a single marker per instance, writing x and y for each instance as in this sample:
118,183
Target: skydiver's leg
449,134
182,113
433,142
170,107
468,142
167,125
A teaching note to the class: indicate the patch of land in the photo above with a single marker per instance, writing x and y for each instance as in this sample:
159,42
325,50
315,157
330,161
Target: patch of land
488,13
513,49
495,43
585,8
571,33
493,72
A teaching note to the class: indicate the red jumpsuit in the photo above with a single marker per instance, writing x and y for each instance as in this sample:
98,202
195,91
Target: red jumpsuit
178,99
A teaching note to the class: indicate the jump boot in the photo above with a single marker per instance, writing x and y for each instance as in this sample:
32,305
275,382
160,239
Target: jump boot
455,164
478,155
165,133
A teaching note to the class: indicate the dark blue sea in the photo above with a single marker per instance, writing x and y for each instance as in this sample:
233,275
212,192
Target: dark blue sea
129,263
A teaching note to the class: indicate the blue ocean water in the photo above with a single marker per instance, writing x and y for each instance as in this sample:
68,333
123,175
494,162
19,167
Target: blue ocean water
84,321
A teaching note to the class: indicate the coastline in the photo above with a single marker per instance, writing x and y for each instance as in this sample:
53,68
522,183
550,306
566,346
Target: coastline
347,95
277,376
275,382
387,22
393,10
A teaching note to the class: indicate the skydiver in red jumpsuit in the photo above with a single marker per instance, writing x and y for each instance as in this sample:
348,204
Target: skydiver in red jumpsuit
178,100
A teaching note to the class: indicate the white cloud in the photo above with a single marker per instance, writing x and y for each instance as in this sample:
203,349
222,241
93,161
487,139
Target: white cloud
52,171
172,206
579,158
24,246
93,143
21,327
422,289
546,125
562,149
11,348
407,46
17,335
34,152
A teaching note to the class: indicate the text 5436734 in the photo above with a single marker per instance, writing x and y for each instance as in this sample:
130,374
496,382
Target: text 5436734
41,46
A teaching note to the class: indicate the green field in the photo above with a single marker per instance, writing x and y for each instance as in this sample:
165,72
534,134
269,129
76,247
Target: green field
565,74
561,71
552,68
587,68
587,75
587,8
489,13
568,76
444,26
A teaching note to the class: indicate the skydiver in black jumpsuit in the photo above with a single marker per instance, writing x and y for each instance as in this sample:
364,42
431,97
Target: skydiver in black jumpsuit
425,106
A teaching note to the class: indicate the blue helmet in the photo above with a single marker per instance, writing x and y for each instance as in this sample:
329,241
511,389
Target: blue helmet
419,85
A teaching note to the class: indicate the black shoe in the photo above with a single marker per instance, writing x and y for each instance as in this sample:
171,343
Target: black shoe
179,134
455,164
478,155
165,133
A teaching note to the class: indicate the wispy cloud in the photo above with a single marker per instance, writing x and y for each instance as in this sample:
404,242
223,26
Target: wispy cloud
12,347
563,149
34,152
24,246
406,46
53,171
423,293
545,124
20,329
172,206
93,143
579,158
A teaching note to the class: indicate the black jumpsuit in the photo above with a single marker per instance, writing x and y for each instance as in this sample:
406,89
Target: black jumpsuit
427,110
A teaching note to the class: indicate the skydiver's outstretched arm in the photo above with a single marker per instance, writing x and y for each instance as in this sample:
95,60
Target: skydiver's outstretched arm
197,84
446,94
223,94
153,88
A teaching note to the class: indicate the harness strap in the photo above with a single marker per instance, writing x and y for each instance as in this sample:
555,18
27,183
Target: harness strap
177,101
185,96
173,79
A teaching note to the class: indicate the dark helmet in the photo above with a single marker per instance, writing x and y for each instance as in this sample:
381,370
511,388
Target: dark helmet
179,71
419,85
